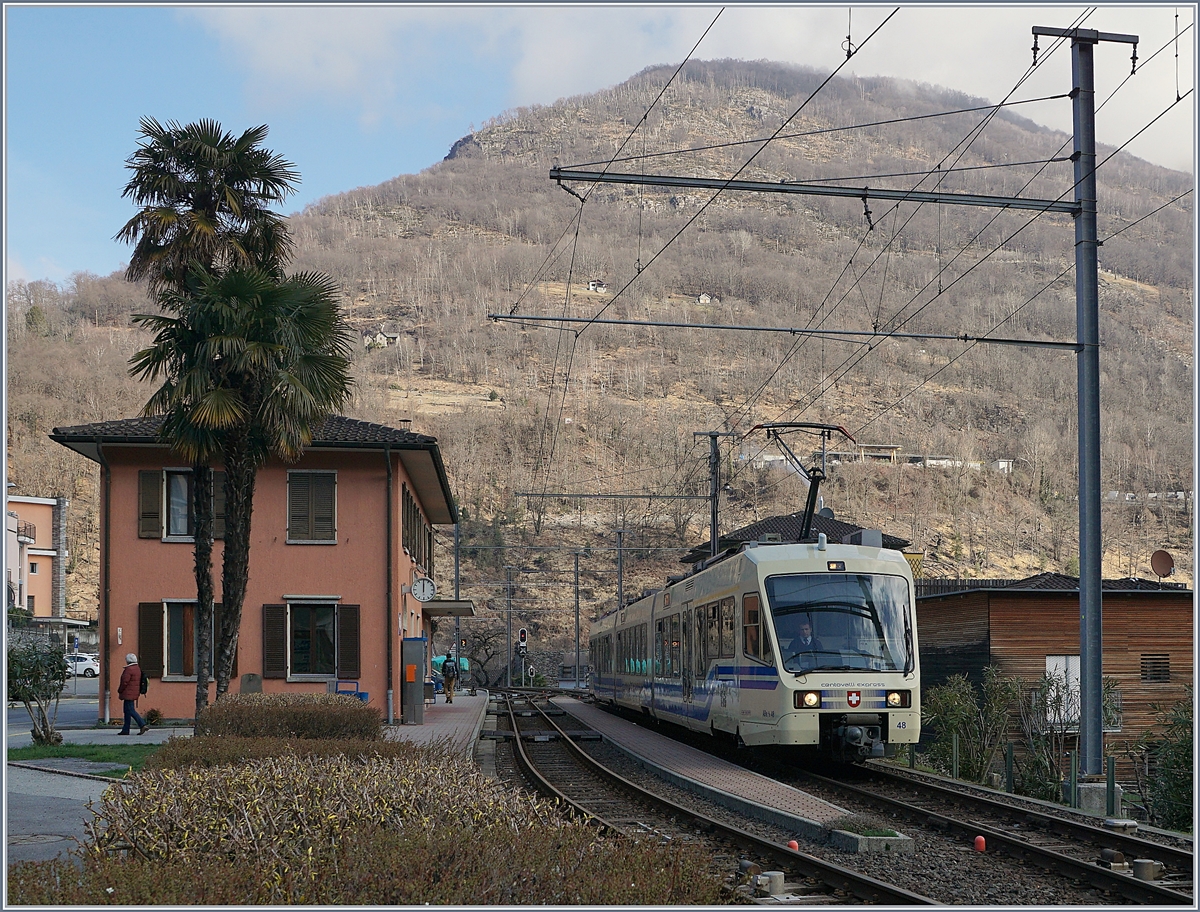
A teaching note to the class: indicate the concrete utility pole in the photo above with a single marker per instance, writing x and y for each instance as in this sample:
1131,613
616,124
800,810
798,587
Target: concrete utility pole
456,652
620,569
508,572
1087,318
714,475
576,620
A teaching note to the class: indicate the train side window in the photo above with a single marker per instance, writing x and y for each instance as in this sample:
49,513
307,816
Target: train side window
727,641
701,663
751,627
714,631
658,649
644,646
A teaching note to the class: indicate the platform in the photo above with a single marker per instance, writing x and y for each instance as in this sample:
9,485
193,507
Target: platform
740,789
457,723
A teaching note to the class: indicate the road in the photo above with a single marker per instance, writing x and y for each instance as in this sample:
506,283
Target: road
77,707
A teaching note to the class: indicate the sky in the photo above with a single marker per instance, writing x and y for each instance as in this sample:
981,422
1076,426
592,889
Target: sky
355,95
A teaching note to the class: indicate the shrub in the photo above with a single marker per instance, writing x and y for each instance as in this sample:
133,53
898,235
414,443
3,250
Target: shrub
37,672
289,807
981,724
153,716
180,753
304,715
567,865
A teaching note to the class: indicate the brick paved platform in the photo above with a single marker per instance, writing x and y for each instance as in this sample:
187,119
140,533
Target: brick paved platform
730,785
458,722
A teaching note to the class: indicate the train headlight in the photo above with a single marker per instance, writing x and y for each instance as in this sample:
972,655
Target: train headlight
899,698
807,699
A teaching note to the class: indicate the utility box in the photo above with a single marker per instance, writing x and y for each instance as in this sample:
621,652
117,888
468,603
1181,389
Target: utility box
414,659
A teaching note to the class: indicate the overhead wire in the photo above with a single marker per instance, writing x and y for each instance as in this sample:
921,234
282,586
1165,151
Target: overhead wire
818,132
575,338
704,206
1068,268
961,147
969,139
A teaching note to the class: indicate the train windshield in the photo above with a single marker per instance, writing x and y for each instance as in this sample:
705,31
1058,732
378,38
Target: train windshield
842,621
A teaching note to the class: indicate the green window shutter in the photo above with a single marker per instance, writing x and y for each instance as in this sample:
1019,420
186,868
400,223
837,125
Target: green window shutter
218,480
274,641
348,643
150,636
150,504
299,506
324,490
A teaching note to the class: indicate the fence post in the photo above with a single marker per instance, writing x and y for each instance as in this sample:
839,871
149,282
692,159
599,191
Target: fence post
912,756
954,764
1008,768
1074,755
1110,800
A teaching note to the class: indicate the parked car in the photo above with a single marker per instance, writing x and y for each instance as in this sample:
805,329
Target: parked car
80,664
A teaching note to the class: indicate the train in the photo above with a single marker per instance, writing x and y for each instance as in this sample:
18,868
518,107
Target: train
810,644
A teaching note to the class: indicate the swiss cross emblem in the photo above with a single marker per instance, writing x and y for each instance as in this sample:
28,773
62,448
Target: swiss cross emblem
854,698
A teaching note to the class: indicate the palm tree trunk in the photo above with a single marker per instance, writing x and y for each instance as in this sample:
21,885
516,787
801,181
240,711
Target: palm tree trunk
241,470
202,512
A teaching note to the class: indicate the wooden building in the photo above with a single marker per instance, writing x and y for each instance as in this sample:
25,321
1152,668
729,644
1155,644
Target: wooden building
1028,627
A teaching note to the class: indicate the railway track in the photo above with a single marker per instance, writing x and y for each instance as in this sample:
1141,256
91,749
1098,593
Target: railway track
556,767
1176,854
1052,843
1056,844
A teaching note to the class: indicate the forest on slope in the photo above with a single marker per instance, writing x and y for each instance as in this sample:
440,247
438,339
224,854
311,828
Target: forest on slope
612,409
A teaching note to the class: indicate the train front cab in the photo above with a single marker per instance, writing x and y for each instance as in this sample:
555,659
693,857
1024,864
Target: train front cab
854,693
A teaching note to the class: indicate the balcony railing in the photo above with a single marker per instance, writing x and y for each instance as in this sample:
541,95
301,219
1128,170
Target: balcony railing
26,531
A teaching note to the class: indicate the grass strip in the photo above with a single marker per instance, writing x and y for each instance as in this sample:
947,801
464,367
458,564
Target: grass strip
131,755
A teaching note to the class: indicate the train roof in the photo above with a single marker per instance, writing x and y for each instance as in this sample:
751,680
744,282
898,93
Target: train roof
787,528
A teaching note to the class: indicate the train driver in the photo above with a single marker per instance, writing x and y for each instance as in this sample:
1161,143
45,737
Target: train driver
805,642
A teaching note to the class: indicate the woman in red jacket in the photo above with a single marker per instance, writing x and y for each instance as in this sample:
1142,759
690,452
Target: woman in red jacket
129,690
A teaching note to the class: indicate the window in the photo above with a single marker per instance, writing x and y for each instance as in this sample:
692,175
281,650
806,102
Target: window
1156,668
416,534
179,504
756,642
166,505
312,507
727,640
1062,699
181,638
167,637
29,603
311,639
33,567
714,631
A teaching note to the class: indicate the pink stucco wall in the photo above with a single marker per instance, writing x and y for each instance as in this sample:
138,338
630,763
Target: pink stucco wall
353,570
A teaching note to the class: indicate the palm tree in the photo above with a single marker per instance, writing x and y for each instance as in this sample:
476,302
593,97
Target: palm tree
180,357
203,196
272,360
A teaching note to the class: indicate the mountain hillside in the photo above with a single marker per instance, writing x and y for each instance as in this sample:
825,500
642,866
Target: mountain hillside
605,409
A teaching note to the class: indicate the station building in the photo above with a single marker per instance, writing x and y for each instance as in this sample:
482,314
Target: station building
338,538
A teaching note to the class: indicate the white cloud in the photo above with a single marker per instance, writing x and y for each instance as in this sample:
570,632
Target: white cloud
392,61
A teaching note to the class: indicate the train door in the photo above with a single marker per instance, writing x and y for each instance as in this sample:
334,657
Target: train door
685,677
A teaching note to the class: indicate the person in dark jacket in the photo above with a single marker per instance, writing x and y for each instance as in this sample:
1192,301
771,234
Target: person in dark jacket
449,676
129,690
